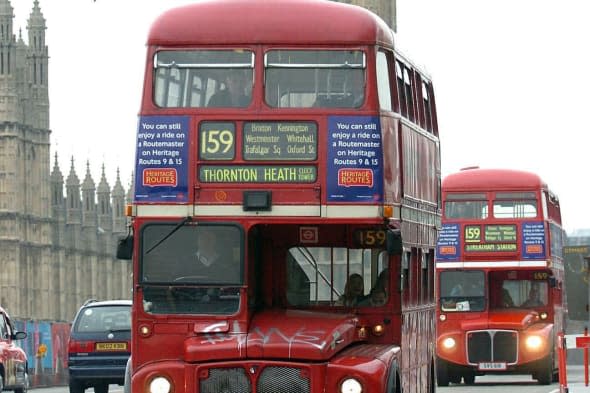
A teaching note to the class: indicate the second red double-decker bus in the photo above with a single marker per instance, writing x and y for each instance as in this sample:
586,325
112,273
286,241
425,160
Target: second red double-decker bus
500,276
286,204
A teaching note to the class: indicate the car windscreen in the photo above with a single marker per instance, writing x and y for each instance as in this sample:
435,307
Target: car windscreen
104,319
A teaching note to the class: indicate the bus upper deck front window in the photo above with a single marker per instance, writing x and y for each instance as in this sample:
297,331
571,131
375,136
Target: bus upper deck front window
314,78
203,78
515,205
466,206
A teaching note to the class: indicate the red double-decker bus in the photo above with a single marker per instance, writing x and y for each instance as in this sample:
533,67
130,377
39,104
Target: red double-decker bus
286,204
500,276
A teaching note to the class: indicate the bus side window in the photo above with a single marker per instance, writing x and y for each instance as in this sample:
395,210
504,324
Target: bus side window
298,285
383,85
400,88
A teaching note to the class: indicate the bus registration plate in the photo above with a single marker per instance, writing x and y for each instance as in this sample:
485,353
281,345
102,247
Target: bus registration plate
111,346
491,366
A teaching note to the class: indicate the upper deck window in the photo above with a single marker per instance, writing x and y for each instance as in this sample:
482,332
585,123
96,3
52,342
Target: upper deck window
203,78
466,206
314,78
515,205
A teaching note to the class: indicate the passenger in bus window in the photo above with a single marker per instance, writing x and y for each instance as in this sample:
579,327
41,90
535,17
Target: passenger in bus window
234,93
507,301
534,299
377,297
354,291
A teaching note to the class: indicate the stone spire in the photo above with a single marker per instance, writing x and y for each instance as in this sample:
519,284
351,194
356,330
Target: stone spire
118,196
89,199
38,72
105,214
73,193
57,184
36,26
131,190
6,18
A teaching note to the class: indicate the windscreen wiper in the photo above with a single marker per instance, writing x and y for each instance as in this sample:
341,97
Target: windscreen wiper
177,227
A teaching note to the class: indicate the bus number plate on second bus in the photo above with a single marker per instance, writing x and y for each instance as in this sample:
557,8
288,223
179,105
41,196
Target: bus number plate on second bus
491,366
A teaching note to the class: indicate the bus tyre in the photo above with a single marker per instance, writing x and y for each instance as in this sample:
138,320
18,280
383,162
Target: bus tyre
442,373
469,378
544,373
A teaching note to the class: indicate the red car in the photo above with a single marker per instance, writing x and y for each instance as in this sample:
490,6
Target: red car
13,359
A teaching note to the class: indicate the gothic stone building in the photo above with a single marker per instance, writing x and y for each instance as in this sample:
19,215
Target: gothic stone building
56,249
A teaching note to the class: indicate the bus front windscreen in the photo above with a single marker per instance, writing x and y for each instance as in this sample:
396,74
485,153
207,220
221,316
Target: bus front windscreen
462,290
191,269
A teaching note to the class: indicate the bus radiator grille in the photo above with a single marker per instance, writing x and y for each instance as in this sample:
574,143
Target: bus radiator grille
505,347
272,379
492,346
282,380
226,380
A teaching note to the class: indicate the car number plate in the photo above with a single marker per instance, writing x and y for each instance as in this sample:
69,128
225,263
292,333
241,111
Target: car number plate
111,346
490,366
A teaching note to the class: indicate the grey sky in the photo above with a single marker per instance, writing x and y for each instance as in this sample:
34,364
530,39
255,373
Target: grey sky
511,83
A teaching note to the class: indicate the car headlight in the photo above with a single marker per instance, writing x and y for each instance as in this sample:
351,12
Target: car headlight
449,343
533,342
351,385
160,385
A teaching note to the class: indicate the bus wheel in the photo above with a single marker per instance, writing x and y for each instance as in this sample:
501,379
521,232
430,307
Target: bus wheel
544,372
469,378
442,373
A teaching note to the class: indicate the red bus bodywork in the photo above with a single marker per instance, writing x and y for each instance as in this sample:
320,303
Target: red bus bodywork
295,217
501,241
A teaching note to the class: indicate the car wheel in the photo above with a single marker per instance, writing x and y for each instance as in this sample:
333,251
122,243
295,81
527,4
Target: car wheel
25,386
102,388
76,387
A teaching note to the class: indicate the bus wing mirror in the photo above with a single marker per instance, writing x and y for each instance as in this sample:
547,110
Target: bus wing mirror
125,247
394,242
552,282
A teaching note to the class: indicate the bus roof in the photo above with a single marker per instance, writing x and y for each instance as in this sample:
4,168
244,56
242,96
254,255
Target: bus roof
284,22
476,179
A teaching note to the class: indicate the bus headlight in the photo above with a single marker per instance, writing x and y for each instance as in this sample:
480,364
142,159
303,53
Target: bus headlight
378,330
533,342
543,315
351,385
449,343
160,385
